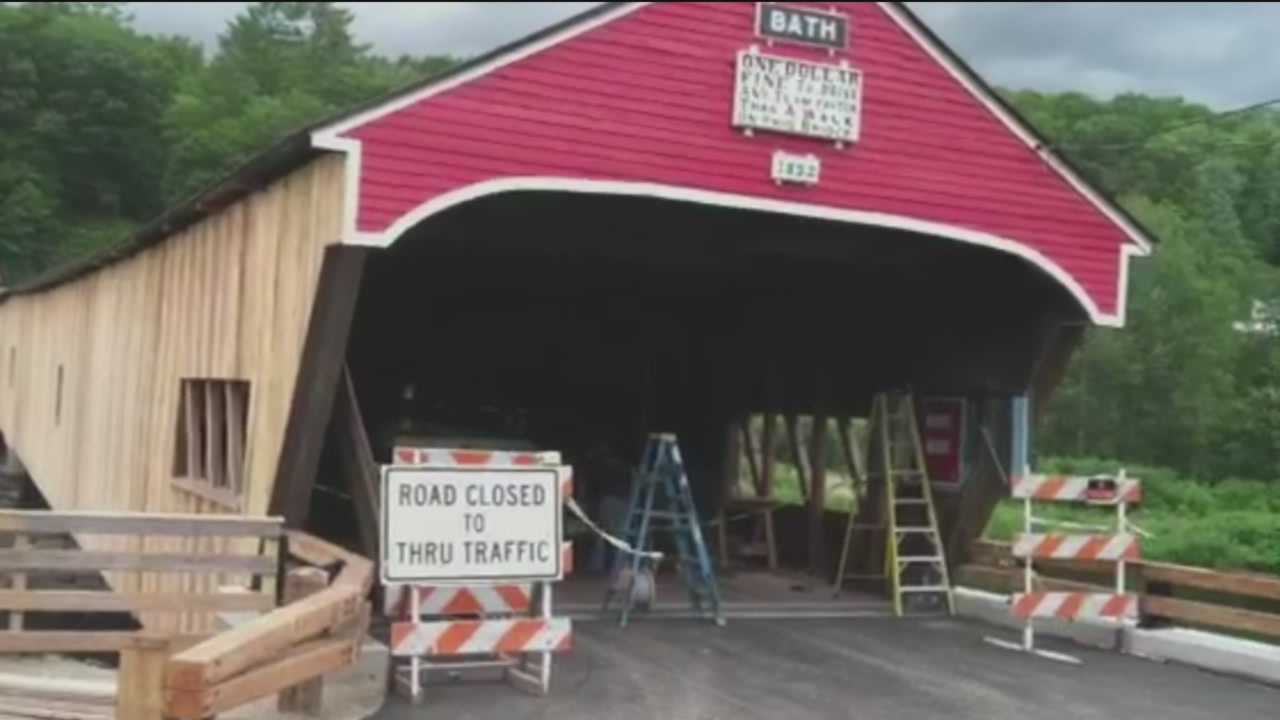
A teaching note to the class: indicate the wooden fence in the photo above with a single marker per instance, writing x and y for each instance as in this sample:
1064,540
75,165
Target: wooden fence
29,563
287,647
163,674
1236,602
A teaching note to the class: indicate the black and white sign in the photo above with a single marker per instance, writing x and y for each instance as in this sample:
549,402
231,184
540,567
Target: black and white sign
802,25
451,525
797,97
798,169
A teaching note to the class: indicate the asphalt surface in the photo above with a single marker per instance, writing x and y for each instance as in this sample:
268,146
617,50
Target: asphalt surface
864,669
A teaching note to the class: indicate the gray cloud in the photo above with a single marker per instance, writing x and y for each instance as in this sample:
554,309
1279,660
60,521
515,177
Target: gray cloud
1223,54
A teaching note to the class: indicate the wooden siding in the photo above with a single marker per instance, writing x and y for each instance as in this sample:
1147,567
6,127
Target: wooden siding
228,297
648,97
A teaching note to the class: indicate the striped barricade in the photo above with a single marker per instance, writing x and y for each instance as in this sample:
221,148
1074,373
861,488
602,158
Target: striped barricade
1075,606
1112,491
474,637
477,600
1099,489
1077,547
506,624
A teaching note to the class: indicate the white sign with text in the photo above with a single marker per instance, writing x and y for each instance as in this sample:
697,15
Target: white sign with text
446,525
797,97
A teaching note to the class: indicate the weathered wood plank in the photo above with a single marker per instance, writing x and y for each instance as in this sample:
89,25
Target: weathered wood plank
307,661
31,686
19,583
62,560
1233,583
308,696
52,641
1198,613
91,601
232,652
235,417
315,551
818,562
17,707
105,523
140,684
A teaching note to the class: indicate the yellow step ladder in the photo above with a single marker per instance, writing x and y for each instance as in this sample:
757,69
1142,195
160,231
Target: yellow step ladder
915,562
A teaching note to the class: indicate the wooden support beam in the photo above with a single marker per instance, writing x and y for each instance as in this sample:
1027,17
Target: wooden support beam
818,560
798,452
305,697
731,452
749,449
323,357
766,486
357,464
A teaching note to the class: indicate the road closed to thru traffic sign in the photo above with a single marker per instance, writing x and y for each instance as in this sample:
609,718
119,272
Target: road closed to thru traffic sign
454,525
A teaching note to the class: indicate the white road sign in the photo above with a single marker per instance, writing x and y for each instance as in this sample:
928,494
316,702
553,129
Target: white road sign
448,525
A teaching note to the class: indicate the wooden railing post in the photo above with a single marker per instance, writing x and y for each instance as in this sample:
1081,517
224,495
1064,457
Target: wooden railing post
305,697
140,681
20,542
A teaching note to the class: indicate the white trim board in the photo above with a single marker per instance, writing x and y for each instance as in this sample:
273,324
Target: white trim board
478,190
331,137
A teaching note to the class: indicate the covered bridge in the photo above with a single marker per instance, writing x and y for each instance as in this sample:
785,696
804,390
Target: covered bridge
650,216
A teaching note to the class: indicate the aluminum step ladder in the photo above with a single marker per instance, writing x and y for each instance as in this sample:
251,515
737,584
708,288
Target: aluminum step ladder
662,502
915,563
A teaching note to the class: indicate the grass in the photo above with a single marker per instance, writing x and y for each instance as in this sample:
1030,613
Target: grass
1229,525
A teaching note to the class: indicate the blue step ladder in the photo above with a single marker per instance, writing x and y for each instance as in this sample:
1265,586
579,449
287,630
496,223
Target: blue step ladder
661,502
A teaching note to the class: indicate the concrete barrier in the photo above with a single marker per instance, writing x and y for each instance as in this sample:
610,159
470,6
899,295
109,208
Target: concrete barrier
1219,653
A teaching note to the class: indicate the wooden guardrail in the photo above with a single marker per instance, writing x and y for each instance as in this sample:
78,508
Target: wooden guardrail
142,652
1220,598
289,646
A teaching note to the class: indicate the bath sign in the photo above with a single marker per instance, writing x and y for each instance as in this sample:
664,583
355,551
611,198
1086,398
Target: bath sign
802,25
797,97
453,525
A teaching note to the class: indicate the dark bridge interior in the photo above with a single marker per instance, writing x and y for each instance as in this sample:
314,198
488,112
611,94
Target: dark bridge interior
618,312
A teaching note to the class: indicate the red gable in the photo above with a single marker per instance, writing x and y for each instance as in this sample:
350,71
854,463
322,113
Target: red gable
638,98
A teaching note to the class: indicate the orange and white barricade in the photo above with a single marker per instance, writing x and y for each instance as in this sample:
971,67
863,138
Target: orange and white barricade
1119,547
484,624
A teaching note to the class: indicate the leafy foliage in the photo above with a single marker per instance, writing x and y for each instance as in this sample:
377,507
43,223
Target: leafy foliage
1183,385
1230,525
102,127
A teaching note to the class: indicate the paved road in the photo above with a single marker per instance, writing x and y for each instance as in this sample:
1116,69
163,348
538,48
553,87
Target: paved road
864,669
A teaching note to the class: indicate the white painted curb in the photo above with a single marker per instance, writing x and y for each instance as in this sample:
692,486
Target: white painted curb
993,608
1219,653
1209,651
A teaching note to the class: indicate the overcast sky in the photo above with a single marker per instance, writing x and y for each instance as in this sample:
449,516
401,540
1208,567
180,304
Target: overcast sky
1223,54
